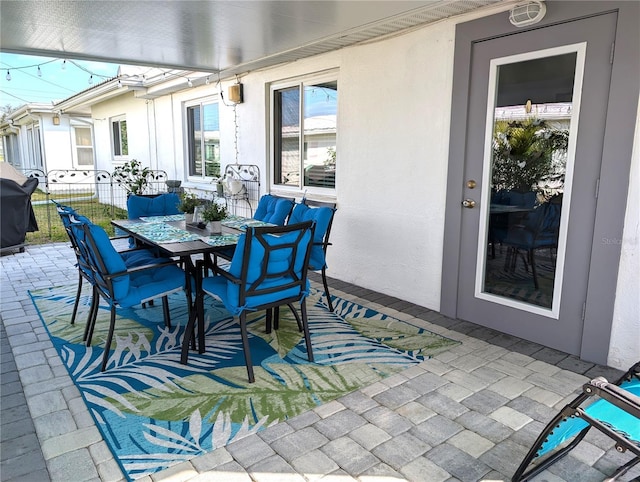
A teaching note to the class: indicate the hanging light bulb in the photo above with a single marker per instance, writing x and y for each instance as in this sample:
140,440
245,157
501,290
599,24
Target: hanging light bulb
91,79
8,75
39,72
189,83
207,81
64,64
119,84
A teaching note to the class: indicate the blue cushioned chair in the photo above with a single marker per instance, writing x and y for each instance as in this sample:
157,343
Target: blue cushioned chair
274,209
611,408
268,269
131,258
164,204
161,205
321,213
125,287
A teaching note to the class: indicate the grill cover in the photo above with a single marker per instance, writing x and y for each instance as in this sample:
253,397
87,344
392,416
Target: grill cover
17,216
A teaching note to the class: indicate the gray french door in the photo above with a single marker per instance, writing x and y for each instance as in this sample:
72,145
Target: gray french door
536,119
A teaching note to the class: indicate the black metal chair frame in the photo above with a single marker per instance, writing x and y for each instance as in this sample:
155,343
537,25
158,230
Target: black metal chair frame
599,387
325,242
103,286
247,290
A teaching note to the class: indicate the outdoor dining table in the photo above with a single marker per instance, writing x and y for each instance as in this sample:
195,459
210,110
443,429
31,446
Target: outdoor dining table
174,237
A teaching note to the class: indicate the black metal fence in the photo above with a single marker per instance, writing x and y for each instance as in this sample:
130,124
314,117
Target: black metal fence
102,196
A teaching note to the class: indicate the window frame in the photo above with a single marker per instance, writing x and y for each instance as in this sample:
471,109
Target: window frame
77,148
188,137
117,151
300,82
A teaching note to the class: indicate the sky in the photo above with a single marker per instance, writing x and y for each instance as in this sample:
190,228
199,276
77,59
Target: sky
55,84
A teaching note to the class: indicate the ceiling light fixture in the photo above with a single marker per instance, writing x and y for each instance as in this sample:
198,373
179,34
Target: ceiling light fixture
527,13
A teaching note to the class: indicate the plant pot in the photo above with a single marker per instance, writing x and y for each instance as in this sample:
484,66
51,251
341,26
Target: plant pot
214,227
188,218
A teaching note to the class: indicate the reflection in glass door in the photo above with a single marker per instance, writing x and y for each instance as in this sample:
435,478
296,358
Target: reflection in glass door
527,179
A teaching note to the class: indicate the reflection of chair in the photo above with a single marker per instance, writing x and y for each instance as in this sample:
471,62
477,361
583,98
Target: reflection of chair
538,230
274,209
125,287
501,219
322,214
613,409
268,269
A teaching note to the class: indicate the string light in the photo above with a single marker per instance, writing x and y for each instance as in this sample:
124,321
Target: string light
64,65
39,72
8,75
91,79
189,83
207,81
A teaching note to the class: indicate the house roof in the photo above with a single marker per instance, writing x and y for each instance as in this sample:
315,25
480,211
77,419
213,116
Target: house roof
215,36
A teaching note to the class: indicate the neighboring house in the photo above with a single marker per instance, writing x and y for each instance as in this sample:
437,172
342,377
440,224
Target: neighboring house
36,136
407,118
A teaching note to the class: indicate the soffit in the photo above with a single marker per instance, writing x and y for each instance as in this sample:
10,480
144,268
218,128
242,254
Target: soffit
230,37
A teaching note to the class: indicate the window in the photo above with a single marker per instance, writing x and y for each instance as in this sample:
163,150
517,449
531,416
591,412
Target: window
83,146
203,140
34,148
12,150
119,136
304,133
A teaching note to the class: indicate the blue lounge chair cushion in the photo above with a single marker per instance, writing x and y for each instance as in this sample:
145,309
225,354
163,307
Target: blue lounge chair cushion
322,217
273,209
229,292
601,410
163,205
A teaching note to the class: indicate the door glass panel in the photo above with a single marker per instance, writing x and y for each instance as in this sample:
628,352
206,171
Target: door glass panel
527,179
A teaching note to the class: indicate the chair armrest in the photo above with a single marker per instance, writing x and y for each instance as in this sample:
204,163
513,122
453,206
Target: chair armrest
618,396
146,267
225,274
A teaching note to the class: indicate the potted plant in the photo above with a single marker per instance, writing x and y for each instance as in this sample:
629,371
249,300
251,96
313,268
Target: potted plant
188,203
133,177
213,214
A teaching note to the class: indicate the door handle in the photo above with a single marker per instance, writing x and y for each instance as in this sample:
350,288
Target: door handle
469,203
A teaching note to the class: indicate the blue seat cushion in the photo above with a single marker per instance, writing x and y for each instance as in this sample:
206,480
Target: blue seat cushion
229,292
322,217
272,209
112,260
163,205
152,283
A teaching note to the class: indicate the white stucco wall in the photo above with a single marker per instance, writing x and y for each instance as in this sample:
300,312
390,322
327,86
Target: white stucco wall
139,130
624,347
392,157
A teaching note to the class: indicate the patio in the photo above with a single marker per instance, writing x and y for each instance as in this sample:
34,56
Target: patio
468,414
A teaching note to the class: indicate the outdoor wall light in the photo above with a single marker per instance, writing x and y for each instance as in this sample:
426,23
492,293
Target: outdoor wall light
56,120
527,13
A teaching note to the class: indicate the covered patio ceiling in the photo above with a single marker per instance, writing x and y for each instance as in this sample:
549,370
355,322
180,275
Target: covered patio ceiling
226,37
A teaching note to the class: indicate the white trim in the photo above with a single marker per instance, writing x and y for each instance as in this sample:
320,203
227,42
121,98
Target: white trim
554,312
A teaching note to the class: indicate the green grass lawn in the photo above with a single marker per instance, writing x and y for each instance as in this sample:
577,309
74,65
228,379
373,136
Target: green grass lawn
50,229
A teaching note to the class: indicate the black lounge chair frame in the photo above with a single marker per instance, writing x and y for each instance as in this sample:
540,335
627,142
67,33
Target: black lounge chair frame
598,387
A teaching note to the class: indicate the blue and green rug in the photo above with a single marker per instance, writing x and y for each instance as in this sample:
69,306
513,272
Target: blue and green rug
154,412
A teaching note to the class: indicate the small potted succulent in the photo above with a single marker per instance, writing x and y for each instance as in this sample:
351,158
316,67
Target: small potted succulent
213,213
188,203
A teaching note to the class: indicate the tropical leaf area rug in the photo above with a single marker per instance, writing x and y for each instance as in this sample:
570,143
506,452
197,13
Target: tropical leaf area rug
155,412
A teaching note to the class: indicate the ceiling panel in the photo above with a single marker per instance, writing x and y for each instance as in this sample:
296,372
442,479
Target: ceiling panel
218,36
